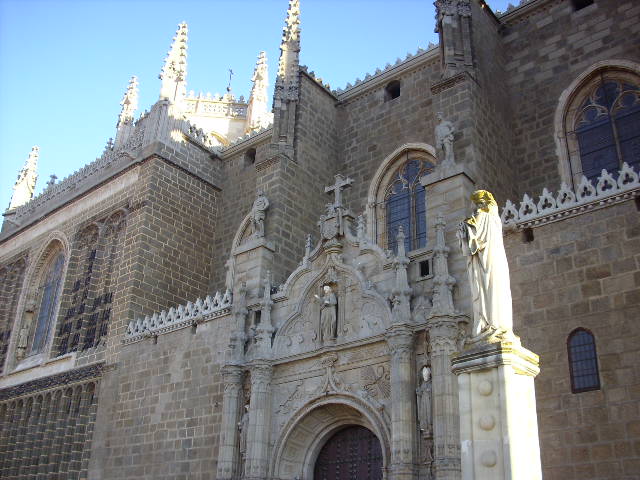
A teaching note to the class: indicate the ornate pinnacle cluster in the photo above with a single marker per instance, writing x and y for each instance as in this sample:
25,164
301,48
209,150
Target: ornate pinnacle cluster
26,181
129,102
174,72
258,115
290,49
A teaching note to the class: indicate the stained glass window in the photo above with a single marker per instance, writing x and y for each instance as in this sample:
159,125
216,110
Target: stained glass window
583,362
405,204
607,127
48,293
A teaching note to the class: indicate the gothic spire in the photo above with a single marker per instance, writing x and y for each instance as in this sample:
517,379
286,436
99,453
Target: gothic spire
289,52
26,182
129,102
258,115
174,72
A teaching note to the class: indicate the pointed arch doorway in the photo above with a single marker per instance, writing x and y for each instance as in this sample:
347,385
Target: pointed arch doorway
352,453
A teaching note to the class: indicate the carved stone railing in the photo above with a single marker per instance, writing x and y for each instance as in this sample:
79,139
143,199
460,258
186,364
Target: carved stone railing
179,317
587,196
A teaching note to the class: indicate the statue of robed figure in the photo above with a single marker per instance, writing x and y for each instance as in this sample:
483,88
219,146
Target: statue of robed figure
480,238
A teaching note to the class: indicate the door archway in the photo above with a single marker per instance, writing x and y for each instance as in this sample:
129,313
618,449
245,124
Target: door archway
352,453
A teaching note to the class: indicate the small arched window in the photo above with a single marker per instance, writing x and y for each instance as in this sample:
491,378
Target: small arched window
48,292
405,204
583,361
603,125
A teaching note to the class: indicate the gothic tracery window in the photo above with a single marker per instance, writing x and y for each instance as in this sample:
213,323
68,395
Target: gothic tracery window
404,203
86,310
583,362
603,125
47,295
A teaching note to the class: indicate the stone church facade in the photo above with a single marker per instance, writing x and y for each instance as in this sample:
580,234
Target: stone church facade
239,290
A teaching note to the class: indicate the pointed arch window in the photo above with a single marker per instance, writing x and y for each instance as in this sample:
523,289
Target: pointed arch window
48,293
603,127
583,361
405,203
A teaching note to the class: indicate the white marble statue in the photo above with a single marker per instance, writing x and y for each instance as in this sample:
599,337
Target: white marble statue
444,138
480,239
258,214
328,315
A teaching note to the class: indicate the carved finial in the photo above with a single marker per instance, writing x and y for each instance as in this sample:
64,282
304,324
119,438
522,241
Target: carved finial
258,114
266,296
174,72
129,102
52,180
26,181
402,252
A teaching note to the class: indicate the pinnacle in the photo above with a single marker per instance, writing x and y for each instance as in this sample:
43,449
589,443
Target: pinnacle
174,71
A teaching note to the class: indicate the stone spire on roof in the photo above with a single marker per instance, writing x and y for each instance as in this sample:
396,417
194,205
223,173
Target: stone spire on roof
258,114
129,102
174,72
26,182
287,80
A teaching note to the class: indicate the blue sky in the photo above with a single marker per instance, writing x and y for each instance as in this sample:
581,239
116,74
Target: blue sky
65,64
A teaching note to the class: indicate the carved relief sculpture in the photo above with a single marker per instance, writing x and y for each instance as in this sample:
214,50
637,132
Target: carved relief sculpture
258,214
480,238
328,315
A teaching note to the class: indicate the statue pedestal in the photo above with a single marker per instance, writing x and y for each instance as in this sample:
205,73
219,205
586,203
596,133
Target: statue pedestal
253,259
498,423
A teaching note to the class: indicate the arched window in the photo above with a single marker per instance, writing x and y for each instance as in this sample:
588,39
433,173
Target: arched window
602,124
405,203
47,295
583,362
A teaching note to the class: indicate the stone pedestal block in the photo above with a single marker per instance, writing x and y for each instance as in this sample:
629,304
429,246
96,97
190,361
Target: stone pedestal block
498,423
253,259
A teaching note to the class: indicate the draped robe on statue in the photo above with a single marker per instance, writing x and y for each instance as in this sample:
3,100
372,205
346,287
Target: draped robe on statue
481,242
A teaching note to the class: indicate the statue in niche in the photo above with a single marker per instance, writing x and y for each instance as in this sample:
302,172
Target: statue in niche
480,238
423,394
25,331
258,214
444,139
328,315
243,427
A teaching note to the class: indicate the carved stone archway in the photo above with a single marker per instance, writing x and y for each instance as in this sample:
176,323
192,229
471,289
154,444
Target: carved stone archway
306,433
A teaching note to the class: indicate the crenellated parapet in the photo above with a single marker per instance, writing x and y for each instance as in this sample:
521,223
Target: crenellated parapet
179,317
608,189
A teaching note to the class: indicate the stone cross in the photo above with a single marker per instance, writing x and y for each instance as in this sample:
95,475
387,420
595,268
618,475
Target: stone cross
336,188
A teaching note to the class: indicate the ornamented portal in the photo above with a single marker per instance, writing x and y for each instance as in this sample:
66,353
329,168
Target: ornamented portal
353,453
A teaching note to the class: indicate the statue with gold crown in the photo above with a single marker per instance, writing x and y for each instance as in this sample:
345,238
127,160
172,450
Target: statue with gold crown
480,238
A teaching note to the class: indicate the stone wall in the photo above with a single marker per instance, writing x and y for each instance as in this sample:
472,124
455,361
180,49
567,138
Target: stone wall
546,49
160,409
372,128
583,272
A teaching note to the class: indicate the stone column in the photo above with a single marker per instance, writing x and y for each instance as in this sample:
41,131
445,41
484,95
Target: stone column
403,408
257,462
443,333
228,460
499,427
